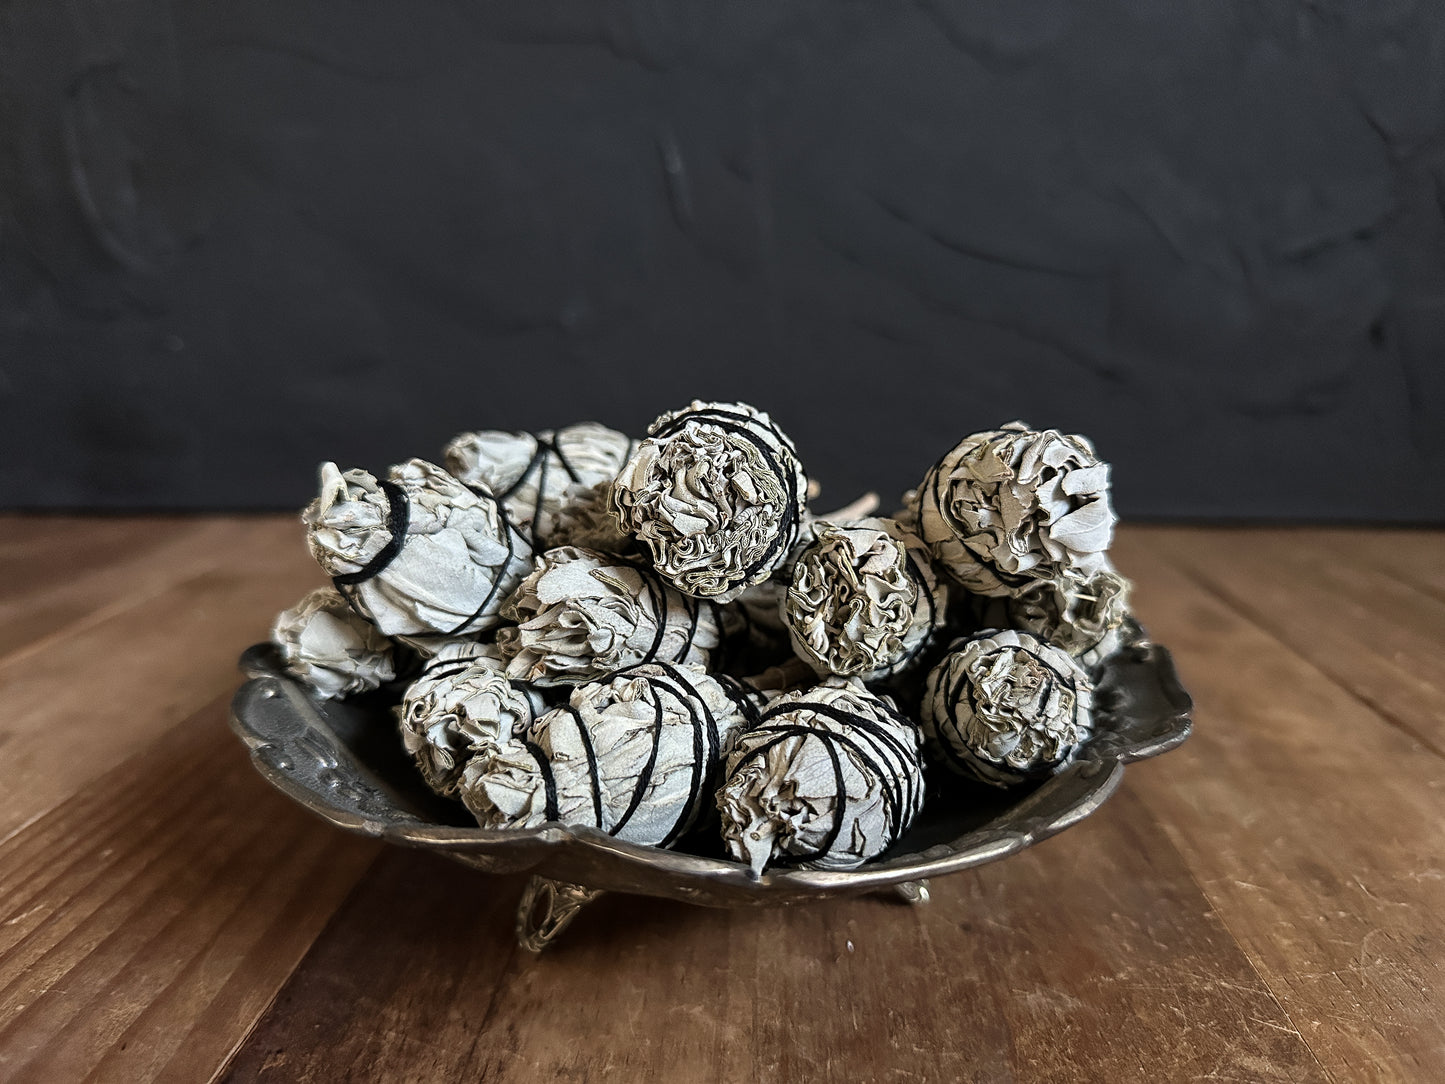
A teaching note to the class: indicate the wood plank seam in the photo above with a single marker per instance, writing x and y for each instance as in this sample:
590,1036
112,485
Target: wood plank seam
1244,610
491,1009
1160,552
283,988
175,840
1426,589
1338,544
279,986
1218,908
125,762
117,606
244,1038
117,955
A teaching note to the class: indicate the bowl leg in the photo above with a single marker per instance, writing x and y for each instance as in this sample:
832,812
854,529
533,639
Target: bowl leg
547,908
912,891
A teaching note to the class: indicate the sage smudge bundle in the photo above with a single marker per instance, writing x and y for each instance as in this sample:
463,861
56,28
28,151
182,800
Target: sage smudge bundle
716,494
418,553
828,778
864,598
634,756
460,705
583,615
331,649
1004,707
539,477
1008,508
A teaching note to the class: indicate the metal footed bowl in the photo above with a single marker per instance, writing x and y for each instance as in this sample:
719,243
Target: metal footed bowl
345,762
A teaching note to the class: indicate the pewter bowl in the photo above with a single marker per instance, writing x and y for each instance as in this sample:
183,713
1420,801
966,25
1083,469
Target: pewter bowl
344,761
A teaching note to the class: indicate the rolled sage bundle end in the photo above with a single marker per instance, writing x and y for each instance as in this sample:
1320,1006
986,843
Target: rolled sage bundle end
461,705
1004,707
828,778
329,648
1007,509
863,599
717,494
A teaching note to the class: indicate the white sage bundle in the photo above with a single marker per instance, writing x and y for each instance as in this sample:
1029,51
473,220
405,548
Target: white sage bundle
864,599
331,649
451,655
1086,618
460,705
418,553
583,615
1009,508
634,756
828,778
758,610
717,494
586,521
429,647
1004,707
537,476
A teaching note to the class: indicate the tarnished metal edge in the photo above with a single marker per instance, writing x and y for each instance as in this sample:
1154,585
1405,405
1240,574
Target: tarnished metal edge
578,854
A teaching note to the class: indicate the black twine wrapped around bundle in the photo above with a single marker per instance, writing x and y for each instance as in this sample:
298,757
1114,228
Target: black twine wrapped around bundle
792,511
900,794
398,518
774,802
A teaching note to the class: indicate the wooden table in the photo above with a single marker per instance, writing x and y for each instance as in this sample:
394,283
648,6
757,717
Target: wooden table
1266,903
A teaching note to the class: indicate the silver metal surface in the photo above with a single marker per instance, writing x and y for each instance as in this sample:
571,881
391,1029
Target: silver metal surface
915,892
547,908
344,761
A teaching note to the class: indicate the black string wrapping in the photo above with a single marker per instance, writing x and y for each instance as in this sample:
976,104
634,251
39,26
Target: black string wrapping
741,425
963,688
451,669
745,696
509,535
660,599
908,796
644,777
706,746
592,772
549,784
398,521
398,517
657,596
840,789
915,572
884,754
544,446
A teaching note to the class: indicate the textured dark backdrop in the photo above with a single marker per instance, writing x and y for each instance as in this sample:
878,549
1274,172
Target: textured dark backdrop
239,238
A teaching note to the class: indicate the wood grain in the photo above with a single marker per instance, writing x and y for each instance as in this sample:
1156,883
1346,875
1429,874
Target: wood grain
1413,555
1019,971
115,683
146,922
63,571
1311,822
1370,631
1264,904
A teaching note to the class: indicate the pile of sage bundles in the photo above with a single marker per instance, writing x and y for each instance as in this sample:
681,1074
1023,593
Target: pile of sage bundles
659,640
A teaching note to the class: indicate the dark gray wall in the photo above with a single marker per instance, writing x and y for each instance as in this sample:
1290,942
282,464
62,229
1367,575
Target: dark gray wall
239,238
